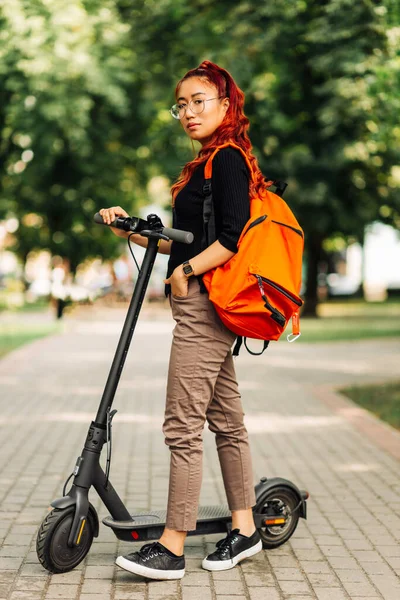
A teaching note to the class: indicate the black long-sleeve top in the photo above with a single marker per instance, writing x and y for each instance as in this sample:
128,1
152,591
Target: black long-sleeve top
230,191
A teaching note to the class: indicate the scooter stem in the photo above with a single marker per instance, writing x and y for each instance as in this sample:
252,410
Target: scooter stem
128,329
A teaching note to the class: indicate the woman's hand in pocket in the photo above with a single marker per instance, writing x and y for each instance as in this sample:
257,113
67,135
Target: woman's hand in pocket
179,283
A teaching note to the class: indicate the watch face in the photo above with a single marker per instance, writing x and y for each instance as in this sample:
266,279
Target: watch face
187,269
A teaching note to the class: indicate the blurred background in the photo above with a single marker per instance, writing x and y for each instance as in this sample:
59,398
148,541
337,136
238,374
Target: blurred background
85,91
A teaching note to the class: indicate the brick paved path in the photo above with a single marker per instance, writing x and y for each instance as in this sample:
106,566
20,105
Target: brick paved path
348,548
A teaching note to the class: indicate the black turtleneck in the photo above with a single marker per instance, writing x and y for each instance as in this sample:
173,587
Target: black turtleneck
230,191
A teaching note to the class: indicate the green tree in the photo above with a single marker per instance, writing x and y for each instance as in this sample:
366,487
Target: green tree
316,106
85,88
319,79
64,69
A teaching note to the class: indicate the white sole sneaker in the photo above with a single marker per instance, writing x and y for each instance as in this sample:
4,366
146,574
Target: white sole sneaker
223,565
146,572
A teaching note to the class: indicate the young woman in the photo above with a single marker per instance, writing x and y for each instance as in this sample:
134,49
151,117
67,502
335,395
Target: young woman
201,381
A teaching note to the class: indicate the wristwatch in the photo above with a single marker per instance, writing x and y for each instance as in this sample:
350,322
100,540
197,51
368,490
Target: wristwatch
187,268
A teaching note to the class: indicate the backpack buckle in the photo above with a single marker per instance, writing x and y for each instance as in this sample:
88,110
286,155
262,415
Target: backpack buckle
207,187
292,337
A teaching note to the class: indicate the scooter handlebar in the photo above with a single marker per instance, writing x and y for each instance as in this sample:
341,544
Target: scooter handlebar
178,235
136,225
99,219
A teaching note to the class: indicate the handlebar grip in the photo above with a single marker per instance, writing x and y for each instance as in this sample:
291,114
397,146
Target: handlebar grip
137,225
178,235
99,219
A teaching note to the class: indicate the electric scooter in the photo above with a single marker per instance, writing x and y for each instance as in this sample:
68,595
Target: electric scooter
66,534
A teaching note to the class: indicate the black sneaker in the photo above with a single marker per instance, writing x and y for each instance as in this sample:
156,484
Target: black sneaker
231,550
154,561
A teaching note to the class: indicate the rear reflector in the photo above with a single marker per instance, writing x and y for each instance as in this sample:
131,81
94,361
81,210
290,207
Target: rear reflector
279,521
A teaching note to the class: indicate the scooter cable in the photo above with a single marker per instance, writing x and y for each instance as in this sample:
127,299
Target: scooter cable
110,416
131,251
66,483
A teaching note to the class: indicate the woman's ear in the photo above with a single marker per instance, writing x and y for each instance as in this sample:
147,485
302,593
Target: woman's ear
226,104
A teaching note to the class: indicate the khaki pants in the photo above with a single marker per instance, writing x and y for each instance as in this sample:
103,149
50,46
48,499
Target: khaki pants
202,385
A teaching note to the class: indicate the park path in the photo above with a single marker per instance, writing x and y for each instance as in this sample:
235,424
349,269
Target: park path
299,429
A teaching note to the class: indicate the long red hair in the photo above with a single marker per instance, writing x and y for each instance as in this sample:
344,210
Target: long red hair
233,128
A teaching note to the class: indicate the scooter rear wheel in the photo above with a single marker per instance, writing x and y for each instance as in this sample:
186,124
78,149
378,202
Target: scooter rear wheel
52,541
279,501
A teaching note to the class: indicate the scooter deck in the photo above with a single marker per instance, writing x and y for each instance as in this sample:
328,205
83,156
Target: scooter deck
150,525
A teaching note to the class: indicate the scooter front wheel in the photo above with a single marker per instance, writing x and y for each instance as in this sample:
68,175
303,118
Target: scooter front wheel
52,547
279,503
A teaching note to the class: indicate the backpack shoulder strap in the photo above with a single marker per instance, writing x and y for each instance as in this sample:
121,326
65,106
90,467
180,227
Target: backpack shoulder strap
208,167
209,230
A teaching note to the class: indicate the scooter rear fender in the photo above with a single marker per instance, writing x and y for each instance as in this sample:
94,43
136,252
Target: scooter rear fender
265,486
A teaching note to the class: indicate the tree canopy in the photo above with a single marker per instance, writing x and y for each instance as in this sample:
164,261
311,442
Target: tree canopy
85,87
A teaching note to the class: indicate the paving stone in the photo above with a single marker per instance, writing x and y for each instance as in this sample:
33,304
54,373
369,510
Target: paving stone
107,597
61,590
338,562
33,584
25,595
367,556
323,579
119,595
219,597
258,579
331,556
315,566
294,587
193,564
335,551
163,590
99,572
356,590
269,593
196,578
277,562
234,588
195,593
388,585
10,564
92,586
70,577
330,594
229,574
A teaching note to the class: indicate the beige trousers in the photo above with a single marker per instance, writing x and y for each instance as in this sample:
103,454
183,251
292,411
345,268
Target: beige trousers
202,386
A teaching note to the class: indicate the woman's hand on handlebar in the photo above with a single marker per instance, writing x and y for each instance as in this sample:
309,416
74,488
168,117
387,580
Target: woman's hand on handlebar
110,214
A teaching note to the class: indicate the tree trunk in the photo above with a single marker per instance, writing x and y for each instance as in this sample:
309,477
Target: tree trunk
314,255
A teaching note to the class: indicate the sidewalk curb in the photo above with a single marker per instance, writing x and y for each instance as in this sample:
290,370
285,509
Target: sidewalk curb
382,434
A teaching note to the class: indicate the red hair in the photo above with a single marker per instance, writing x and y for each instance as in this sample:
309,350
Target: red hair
233,128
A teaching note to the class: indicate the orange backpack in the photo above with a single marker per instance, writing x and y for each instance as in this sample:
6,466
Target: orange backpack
256,292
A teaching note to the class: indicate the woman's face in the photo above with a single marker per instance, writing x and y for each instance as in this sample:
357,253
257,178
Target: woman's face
201,126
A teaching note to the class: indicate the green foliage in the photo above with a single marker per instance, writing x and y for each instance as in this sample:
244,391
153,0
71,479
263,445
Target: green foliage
85,88
62,78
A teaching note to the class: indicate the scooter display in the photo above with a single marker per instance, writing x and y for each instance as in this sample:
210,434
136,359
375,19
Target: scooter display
66,534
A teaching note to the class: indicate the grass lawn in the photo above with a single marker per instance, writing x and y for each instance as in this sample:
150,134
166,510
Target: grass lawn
347,328
383,400
13,335
351,320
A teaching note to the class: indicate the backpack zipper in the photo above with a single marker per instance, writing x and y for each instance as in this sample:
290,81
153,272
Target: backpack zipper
282,291
256,222
298,231
277,316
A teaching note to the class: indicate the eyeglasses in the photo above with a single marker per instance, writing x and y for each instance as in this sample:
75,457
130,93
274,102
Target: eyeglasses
197,106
